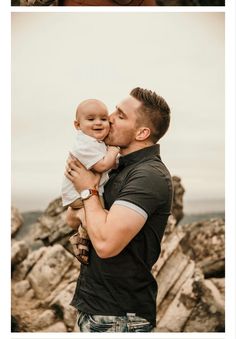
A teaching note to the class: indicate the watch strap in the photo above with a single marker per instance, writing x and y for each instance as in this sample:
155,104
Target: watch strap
92,191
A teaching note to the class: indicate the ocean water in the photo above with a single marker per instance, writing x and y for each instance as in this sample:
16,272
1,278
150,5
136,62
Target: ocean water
194,210
200,206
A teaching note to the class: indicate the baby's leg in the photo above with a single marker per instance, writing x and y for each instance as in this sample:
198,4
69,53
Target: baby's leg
74,239
80,240
83,245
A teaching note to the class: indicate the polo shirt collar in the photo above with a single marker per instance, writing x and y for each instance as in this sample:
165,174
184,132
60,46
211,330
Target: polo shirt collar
140,155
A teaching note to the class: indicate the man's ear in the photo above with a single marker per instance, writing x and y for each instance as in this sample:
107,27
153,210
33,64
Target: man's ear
76,124
143,133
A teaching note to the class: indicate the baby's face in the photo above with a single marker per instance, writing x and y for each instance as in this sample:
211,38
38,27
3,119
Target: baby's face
93,120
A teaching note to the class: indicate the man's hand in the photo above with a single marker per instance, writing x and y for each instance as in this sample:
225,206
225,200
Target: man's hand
80,176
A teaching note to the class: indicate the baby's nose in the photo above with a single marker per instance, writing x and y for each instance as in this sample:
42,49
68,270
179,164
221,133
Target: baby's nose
98,122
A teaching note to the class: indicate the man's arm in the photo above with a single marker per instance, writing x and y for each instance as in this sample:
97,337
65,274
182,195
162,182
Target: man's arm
109,231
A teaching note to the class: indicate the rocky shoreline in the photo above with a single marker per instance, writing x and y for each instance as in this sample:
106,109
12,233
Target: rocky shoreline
190,273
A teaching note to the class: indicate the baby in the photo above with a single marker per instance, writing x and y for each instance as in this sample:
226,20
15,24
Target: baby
92,125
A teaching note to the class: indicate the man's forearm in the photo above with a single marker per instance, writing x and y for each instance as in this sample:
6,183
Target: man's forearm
97,223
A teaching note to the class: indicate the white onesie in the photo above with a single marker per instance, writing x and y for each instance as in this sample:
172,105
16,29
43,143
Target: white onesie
89,151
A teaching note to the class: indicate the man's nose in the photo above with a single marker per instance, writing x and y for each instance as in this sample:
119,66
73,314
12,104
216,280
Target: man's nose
111,118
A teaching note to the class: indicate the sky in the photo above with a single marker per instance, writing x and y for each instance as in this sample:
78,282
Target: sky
60,59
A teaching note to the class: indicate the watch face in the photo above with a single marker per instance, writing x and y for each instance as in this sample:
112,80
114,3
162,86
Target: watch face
85,194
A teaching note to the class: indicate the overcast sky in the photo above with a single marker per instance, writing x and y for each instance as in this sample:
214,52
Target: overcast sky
59,59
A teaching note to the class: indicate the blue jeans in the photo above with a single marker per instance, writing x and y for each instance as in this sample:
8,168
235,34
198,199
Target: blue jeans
110,323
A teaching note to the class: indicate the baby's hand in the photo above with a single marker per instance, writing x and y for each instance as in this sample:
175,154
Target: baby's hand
113,149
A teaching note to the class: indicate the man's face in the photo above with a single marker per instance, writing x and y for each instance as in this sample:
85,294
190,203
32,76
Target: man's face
123,123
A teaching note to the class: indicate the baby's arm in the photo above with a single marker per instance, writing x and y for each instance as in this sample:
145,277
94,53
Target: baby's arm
108,161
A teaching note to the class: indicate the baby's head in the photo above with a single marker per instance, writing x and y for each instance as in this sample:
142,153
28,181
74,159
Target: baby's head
92,118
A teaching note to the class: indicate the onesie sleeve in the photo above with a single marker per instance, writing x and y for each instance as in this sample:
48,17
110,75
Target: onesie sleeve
89,151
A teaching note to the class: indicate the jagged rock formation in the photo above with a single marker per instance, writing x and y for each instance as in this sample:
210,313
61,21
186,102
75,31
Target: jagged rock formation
178,206
187,301
16,220
189,272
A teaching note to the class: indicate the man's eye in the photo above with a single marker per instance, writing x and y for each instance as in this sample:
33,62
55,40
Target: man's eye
121,116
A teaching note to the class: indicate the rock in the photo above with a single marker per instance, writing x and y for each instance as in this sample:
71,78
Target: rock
177,207
61,304
47,318
209,314
49,270
23,269
19,252
190,274
180,308
213,297
185,298
16,220
220,284
204,242
55,208
170,273
14,324
52,227
185,275
57,327
29,230
170,243
21,288
30,294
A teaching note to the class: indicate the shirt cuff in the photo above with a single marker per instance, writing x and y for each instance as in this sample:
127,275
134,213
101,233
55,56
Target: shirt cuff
133,207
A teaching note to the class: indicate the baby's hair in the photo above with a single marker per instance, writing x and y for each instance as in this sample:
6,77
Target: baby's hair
84,102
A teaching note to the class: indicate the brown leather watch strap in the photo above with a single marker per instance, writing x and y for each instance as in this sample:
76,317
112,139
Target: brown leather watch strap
93,191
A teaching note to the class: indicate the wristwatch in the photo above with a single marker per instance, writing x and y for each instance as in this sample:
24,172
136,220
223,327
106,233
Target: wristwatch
87,193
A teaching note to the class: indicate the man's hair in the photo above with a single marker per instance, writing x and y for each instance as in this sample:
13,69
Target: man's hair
154,111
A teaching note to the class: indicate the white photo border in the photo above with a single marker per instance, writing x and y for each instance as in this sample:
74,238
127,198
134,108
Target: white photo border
5,168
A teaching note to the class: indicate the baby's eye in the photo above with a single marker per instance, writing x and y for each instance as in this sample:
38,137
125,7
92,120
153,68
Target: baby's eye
90,119
104,119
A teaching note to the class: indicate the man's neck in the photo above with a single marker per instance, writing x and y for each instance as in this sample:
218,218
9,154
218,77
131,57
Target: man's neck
135,147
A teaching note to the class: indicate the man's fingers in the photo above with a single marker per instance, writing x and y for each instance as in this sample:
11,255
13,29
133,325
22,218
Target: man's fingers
73,160
72,156
68,175
74,166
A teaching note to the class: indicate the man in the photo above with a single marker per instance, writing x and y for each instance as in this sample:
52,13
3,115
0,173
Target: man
116,292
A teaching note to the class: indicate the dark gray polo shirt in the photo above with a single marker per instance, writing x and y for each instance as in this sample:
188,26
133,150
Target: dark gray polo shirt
123,284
